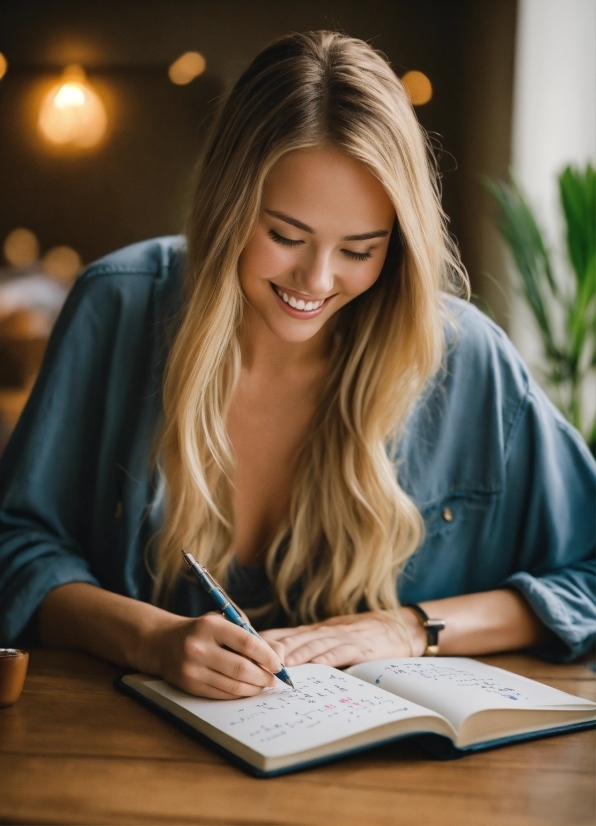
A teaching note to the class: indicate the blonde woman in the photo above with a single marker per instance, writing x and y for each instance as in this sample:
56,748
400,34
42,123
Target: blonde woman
298,402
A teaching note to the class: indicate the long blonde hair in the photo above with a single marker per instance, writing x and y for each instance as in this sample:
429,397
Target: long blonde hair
350,526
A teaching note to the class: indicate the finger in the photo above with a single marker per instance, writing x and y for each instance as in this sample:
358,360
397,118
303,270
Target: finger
248,645
312,648
279,649
241,669
234,689
281,633
203,681
340,656
293,643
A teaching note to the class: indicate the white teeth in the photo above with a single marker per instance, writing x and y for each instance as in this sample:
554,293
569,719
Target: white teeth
305,306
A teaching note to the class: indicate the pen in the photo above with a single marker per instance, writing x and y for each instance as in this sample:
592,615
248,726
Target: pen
225,605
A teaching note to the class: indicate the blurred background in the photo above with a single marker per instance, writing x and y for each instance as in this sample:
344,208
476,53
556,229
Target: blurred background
104,107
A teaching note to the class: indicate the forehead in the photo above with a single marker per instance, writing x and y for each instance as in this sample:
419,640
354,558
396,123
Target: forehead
328,190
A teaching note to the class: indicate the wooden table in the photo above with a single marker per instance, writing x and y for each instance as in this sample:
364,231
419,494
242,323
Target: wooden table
73,750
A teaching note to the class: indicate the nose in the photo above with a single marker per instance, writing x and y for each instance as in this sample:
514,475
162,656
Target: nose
317,278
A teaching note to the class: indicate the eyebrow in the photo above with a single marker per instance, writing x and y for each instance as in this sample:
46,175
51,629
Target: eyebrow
364,236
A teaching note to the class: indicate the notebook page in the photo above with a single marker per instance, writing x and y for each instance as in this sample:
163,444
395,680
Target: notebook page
458,687
326,706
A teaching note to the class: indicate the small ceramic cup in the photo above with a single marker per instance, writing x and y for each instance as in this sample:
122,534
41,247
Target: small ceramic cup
13,667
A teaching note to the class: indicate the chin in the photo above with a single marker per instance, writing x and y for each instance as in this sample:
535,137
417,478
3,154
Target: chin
294,333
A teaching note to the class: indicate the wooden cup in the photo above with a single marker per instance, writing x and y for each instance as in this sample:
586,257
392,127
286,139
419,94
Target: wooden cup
13,667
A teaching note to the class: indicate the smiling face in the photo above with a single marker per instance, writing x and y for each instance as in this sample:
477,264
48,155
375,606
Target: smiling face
320,241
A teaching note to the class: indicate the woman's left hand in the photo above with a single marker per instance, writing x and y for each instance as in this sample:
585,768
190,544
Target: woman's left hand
351,639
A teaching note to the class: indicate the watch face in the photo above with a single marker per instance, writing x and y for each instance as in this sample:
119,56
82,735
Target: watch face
435,624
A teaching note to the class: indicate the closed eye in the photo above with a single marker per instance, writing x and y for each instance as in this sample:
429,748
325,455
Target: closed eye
293,242
357,256
281,239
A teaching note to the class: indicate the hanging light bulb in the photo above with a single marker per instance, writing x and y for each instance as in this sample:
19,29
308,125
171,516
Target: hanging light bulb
72,112
186,68
418,87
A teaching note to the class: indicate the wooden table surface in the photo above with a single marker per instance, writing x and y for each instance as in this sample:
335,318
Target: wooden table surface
73,750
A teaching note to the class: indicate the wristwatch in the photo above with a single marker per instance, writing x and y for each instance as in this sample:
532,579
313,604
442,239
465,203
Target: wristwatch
432,628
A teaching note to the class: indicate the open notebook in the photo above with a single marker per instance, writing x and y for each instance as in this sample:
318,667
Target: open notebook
456,704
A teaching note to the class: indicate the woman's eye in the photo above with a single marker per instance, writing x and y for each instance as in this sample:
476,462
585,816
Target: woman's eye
357,256
281,239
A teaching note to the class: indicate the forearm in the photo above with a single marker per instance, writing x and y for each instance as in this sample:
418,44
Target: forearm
108,625
482,623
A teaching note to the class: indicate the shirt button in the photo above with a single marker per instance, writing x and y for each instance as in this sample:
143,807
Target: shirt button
118,510
447,515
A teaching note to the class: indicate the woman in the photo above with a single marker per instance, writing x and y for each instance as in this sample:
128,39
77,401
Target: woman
309,414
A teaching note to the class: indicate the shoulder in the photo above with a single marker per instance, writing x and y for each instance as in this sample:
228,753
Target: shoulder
460,429
482,380
138,280
478,349
485,367
120,301
157,259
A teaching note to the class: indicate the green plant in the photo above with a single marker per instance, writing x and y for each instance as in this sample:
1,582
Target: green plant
564,309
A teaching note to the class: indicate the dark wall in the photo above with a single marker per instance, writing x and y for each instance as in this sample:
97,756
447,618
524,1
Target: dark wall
137,183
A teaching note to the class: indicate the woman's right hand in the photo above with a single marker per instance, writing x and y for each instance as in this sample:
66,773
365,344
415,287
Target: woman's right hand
211,657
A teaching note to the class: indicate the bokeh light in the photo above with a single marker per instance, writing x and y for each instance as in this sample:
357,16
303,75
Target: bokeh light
21,247
186,68
3,65
418,87
62,263
72,113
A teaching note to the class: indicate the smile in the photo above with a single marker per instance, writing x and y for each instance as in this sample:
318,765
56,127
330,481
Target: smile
298,304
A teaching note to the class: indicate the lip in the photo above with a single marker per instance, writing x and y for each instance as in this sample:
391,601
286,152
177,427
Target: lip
302,314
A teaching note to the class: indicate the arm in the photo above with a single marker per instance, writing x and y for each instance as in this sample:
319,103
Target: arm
547,604
59,537
208,656
483,623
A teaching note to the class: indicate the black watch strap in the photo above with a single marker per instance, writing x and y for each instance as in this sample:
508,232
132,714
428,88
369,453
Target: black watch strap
432,628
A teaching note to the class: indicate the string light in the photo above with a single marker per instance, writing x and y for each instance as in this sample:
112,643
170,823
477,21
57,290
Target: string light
72,113
418,87
21,247
62,263
3,65
186,68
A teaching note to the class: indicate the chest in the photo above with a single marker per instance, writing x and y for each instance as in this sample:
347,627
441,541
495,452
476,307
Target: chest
267,424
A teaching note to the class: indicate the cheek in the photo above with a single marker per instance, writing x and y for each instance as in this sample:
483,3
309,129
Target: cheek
260,260
362,280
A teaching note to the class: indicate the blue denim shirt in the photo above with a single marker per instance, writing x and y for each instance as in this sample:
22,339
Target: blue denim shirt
505,485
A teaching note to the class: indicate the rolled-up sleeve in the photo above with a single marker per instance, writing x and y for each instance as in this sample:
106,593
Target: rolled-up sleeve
550,498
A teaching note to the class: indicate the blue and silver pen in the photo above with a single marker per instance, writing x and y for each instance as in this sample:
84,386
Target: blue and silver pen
225,605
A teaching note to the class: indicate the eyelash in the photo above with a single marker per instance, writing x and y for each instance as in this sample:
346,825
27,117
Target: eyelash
289,242
280,239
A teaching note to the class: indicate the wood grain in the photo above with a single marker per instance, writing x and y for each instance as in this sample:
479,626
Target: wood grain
73,750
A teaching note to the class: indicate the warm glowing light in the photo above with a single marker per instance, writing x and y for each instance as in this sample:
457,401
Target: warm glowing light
186,68
21,247
418,87
3,65
61,263
72,112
